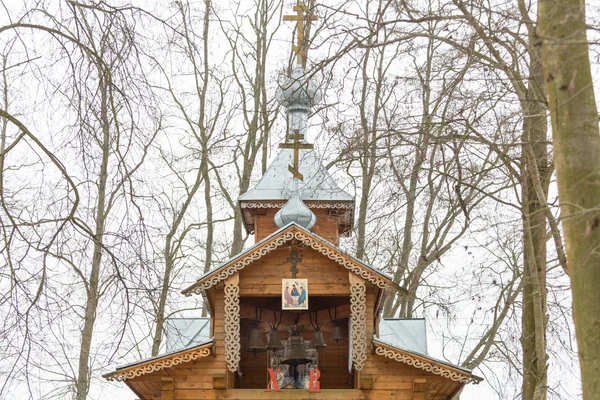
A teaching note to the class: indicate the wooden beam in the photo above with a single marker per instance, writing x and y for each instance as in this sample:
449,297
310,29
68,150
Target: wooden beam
219,381
167,388
365,382
419,389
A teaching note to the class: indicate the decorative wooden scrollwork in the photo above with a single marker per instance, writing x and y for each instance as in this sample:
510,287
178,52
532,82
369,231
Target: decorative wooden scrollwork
322,246
232,323
358,321
341,259
310,204
430,366
168,361
242,262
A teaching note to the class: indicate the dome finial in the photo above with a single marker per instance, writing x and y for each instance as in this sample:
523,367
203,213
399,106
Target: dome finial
298,93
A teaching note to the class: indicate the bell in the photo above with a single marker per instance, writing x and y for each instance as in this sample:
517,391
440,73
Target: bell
254,341
295,353
273,340
337,334
317,340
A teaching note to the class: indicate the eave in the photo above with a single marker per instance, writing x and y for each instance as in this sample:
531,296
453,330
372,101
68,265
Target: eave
420,361
160,362
275,241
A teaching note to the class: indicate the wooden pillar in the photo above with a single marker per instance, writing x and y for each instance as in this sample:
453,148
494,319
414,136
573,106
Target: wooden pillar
358,321
232,322
167,388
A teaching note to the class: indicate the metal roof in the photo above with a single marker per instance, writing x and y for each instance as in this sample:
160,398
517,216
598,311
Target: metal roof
276,183
408,334
163,355
182,333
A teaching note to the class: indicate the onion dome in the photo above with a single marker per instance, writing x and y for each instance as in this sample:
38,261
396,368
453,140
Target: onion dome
295,211
298,91
298,94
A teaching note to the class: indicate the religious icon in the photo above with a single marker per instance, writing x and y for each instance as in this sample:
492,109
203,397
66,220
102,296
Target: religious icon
294,294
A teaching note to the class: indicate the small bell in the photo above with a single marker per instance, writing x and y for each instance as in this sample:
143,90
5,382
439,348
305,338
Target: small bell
337,334
274,340
317,340
254,341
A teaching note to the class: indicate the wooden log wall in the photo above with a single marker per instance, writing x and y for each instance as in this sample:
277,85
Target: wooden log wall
325,277
326,226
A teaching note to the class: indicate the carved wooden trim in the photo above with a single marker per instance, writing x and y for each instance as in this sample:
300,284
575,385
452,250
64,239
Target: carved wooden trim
335,255
232,322
358,321
167,361
424,364
310,204
293,232
229,269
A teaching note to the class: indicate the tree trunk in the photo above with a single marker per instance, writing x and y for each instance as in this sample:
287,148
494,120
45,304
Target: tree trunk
576,140
83,376
534,172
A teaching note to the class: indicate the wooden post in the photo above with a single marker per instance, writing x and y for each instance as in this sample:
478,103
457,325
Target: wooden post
358,321
232,322
219,381
419,389
366,382
167,388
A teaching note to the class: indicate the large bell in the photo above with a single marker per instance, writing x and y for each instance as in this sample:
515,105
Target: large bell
337,334
295,353
317,340
273,340
254,341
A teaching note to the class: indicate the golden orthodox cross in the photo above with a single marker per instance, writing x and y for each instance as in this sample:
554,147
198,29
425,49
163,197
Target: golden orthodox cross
294,259
297,137
300,8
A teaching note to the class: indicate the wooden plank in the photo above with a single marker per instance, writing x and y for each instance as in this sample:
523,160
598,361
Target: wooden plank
325,394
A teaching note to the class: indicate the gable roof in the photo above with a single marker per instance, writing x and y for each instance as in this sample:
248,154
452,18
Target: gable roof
276,183
426,363
160,362
276,240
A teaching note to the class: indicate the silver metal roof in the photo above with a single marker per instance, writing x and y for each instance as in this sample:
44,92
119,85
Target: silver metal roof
276,183
407,334
182,333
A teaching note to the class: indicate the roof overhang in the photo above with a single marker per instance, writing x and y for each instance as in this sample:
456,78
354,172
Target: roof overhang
426,363
278,239
343,209
160,362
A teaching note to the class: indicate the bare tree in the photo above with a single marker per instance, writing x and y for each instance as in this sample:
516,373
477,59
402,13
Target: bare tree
250,39
576,142
202,124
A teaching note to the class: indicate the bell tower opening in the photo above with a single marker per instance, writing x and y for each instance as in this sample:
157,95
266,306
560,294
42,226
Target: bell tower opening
294,342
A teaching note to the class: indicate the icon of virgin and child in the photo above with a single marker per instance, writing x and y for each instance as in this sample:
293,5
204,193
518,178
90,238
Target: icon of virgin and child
295,294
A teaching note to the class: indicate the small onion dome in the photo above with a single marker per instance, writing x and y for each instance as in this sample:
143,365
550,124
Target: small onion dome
295,211
298,90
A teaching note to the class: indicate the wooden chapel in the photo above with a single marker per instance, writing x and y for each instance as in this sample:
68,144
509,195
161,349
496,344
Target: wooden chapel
319,306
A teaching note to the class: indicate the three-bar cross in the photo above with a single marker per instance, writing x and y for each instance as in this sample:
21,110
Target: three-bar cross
294,259
297,136
301,8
